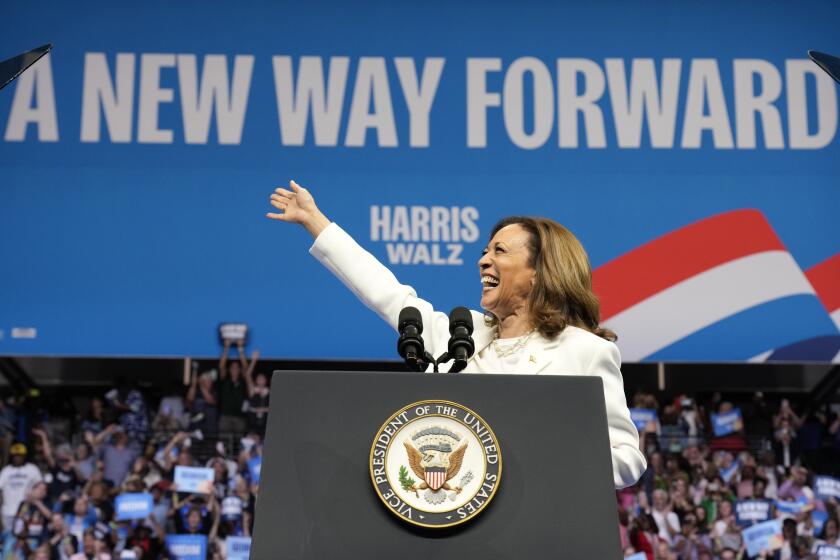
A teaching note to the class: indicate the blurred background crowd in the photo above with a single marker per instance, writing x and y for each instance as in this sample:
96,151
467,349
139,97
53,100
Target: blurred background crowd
72,478
76,466
703,488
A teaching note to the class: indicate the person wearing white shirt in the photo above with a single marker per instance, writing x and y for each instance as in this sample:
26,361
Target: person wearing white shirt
540,317
16,479
666,520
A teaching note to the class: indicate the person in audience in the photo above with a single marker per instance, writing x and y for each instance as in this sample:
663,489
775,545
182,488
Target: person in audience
666,520
93,547
16,480
33,515
117,455
80,518
234,382
84,461
796,487
203,401
829,533
62,543
172,415
64,477
133,413
690,542
100,499
258,397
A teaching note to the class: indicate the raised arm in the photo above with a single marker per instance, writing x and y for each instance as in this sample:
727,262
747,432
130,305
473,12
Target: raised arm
214,511
103,435
248,372
360,271
46,446
243,361
223,360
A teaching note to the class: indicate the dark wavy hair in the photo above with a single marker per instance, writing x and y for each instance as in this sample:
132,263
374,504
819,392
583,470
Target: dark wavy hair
562,294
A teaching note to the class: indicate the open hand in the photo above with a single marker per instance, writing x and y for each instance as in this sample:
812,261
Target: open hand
298,207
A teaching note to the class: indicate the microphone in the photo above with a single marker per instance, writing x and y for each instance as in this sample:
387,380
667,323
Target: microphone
461,345
410,344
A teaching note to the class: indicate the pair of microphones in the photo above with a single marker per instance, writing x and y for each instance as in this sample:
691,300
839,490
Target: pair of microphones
412,349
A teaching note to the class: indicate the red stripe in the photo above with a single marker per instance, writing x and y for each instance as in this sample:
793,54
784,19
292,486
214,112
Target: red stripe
825,278
679,255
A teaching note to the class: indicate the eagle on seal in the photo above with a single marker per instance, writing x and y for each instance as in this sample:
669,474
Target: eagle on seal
435,462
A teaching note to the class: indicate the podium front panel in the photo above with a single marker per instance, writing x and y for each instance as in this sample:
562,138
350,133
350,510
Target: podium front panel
316,499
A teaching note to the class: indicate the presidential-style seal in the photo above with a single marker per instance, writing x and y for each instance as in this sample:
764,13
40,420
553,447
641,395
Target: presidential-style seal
435,463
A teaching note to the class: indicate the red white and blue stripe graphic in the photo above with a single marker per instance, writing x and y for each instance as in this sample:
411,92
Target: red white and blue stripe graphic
435,477
725,287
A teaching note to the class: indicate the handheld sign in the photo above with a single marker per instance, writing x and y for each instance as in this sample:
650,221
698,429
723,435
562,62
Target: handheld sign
254,467
726,473
827,487
750,512
818,518
194,479
727,423
133,506
793,507
641,416
764,536
238,548
232,507
828,552
187,547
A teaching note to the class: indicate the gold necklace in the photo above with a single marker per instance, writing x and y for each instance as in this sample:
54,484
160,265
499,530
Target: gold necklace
503,351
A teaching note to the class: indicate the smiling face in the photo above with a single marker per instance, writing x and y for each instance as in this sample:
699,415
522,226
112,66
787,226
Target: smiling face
506,272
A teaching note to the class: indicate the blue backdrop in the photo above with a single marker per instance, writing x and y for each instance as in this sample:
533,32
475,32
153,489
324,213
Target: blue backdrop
131,211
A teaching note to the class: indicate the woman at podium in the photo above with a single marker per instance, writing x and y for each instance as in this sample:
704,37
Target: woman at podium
540,314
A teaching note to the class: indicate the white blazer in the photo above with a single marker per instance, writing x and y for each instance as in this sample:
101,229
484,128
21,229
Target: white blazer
573,352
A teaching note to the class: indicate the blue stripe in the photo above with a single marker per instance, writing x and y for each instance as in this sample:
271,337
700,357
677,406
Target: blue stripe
822,348
775,324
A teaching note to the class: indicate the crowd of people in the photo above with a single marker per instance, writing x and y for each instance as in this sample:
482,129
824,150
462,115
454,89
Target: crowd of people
72,493
64,486
702,489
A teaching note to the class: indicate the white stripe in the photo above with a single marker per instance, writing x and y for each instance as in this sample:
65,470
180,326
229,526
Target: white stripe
760,358
836,359
704,299
835,316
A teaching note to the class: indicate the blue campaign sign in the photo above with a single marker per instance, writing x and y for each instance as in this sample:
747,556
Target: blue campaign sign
763,536
828,552
194,479
641,416
133,506
819,518
698,167
726,473
187,547
792,506
827,487
238,548
254,467
750,512
727,423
